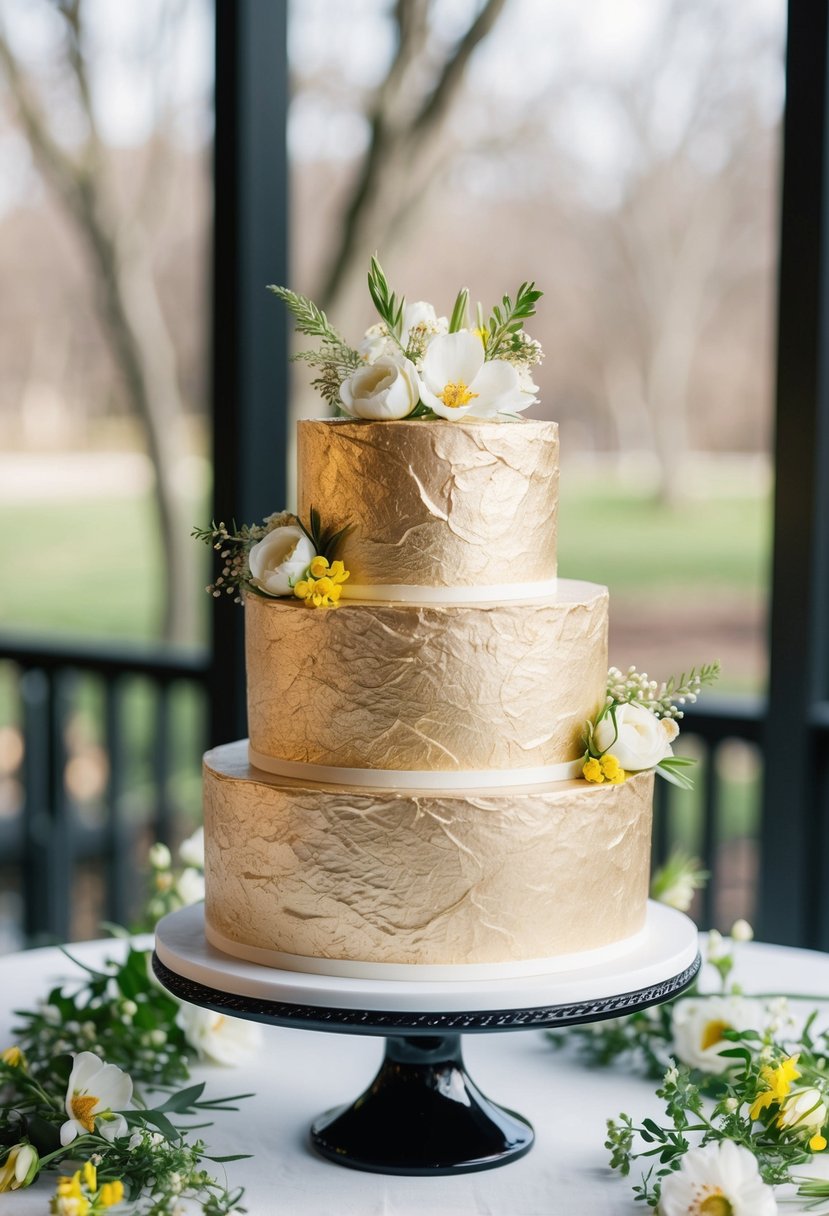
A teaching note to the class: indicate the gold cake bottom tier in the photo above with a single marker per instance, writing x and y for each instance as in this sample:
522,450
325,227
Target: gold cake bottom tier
349,881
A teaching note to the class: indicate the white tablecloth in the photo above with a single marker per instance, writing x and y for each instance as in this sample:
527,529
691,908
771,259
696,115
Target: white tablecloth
302,1073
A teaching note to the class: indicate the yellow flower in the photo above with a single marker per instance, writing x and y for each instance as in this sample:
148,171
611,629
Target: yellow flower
111,1193
323,590
14,1057
612,769
338,572
592,771
90,1176
319,566
817,1143
778,1083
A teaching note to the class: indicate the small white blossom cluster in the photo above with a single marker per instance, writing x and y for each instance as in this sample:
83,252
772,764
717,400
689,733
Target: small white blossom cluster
665,700
233,548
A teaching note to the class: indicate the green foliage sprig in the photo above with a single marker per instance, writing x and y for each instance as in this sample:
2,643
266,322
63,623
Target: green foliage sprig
389,307
335,359
507,319
325,540
117,1009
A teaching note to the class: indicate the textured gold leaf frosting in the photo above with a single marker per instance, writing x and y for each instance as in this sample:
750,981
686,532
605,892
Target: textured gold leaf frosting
392,686
435,503
438,878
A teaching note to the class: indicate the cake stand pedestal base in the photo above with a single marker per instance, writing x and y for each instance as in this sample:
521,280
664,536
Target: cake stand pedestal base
422,1115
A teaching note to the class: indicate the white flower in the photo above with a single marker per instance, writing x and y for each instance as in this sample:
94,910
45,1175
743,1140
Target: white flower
94,1092
741,931
421,315
456,380
160,858
190,886
191,850
19,1168
680,894
803,1111
715,947
639,739
698,1024
387,388
724,1171
216,1037
377,343
280,558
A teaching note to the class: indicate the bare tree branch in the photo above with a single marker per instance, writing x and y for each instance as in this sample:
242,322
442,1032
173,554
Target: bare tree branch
393,141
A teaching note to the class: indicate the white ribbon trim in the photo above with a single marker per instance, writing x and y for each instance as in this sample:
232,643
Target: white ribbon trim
405,593
415,779
422,972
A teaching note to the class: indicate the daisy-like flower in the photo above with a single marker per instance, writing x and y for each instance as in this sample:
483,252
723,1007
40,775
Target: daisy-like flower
95,1091
717,1180
699,1024
456,380
221,1039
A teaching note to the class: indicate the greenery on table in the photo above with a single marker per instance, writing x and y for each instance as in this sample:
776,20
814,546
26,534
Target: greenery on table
733,1070
115,1028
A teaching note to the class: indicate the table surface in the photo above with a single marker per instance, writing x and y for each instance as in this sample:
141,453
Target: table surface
299,1074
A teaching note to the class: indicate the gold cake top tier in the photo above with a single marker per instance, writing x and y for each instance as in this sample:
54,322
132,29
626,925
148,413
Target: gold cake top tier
436,504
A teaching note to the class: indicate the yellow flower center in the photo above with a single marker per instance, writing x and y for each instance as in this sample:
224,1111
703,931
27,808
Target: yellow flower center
713,1034
82,1108
12,1056
455,395
817,1143
716,1205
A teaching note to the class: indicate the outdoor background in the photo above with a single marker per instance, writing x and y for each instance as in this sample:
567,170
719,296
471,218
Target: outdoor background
622,154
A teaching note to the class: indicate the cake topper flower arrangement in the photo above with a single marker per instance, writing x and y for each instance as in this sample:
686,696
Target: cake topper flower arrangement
638,723
279,557
414,364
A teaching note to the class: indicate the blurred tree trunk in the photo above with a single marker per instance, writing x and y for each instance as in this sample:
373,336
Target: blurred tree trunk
405,118
126,300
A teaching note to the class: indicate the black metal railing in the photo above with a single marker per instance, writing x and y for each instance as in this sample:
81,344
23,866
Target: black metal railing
103,757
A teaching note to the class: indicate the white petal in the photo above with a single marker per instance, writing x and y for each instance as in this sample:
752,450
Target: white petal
68,1132
497,387
452,412
452,359
112,1129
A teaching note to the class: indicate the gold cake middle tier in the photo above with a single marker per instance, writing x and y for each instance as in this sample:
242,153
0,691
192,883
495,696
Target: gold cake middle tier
439,688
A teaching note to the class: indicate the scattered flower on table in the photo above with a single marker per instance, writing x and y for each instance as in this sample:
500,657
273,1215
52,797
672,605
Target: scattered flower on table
20,1167
699,1025
218,1038
96,1093
717,1180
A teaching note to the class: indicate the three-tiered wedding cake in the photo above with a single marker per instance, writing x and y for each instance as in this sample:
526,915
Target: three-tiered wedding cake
411,802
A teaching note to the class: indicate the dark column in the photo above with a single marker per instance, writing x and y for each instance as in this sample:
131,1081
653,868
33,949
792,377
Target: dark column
792,897
250,333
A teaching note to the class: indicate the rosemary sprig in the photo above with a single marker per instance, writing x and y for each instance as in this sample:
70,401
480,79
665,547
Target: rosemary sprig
310,319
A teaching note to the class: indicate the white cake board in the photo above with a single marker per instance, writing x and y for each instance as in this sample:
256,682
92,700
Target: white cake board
664,954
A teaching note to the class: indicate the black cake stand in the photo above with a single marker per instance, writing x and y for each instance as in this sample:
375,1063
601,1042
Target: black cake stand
422,1114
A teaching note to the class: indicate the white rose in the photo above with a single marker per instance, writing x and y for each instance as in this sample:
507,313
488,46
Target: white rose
387,388
216,1037
191,850
160,857
190,886
281,556
639,739
698,1024
803,1111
